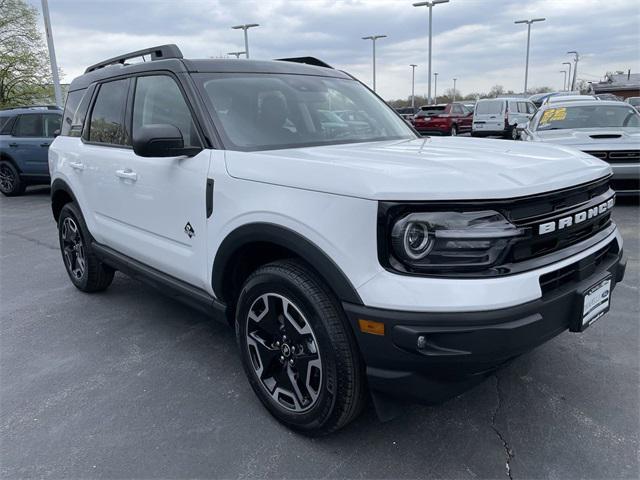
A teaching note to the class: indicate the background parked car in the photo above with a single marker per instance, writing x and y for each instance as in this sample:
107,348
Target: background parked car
568,98
407,112
634,102
608,130
539,98
444,119
501,116
25,136
608,96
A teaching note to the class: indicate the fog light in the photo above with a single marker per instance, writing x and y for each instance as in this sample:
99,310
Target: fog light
422,342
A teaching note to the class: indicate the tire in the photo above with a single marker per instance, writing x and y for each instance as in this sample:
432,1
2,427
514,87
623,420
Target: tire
454,131
85,270
10,183
321,349
475,134
511,133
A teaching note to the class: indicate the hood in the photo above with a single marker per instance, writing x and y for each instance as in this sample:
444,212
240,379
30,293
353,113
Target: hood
422,169
625,138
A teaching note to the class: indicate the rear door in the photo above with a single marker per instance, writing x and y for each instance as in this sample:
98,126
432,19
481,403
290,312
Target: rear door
29,145
489,116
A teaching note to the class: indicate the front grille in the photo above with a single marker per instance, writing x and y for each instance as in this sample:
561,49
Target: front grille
616,156
576,271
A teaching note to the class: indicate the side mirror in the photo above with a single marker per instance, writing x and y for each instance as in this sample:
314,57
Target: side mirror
159,140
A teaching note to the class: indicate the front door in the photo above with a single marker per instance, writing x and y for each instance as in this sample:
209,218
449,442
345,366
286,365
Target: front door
30,141
160,217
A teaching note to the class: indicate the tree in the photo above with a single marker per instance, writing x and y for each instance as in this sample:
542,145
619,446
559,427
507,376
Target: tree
25,75
495,91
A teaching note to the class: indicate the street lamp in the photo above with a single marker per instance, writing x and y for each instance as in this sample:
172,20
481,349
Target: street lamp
569,80
373,38
435,87
454,89
52,53
246,27
526,68
237,54
564,82
413,85
429,4
575,68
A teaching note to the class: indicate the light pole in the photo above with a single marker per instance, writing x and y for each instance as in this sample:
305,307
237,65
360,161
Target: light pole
246,27
575,68
569,80
429,4
413,85
526,67
564,82
237,54
435,87
373,39
454,89
52,53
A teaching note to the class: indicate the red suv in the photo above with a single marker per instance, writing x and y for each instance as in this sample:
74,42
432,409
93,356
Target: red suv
445,119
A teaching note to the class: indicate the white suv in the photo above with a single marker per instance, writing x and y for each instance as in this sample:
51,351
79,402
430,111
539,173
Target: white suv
501,116
353,258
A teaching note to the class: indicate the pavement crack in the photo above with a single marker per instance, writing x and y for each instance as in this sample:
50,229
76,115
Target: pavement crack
507,449
32,240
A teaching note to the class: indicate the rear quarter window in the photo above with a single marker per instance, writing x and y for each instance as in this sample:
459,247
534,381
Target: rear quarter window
70,108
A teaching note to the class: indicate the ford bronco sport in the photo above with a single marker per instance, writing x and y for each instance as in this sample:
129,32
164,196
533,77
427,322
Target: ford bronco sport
352,259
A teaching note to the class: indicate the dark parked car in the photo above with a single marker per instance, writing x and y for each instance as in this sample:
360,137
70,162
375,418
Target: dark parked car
407,112
445,119
25,136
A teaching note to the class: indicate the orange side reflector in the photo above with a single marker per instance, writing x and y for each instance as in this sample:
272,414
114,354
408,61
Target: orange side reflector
369,326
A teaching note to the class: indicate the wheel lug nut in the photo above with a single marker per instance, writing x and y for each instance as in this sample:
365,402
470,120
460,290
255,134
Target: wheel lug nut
291,362
277,344
282,358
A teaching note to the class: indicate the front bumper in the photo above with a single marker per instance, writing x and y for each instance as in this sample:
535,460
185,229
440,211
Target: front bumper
625,179
462,348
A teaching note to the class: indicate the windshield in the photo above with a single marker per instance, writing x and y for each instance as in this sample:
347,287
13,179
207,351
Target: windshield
489,108
635,101
256,111
588,116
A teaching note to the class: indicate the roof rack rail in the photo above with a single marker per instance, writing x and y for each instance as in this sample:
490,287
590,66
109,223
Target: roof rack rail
47,107
157,53
306,60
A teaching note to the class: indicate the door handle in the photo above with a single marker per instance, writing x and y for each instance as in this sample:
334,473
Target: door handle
13,144
44,144
77,165
127,174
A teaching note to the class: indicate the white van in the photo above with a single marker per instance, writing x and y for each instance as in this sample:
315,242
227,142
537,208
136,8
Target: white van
501,116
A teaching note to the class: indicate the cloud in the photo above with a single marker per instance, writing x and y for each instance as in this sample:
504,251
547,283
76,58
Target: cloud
473,40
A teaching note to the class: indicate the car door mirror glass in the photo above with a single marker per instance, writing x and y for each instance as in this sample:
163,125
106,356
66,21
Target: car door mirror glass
160,140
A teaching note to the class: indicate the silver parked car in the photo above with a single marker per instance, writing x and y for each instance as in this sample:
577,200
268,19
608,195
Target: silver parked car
608,130
501,116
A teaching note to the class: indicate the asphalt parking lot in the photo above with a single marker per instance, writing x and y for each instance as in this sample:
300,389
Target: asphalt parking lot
130,384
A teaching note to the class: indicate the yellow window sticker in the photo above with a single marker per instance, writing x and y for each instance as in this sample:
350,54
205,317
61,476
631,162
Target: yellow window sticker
553,115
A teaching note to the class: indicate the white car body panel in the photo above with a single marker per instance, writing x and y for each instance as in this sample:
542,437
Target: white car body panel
422,169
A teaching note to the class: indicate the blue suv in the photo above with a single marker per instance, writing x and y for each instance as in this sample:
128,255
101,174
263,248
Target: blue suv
25,136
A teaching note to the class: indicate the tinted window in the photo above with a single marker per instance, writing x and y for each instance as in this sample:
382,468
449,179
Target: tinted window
267,111
3,120
50,124
489,108
70,107
159,100
531,108
29,125
457,109
107,117
8,125
431,110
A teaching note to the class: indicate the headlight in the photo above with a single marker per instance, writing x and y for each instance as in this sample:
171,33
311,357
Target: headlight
452,241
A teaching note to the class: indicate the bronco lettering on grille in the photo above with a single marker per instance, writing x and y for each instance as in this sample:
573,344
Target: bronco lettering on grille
576,218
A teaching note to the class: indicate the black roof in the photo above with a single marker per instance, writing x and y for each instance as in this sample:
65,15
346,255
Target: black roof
173,62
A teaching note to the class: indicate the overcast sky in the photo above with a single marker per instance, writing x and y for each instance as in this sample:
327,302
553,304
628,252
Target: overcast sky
474,40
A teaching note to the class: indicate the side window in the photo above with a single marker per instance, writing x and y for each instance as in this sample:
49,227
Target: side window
29,125
51,123
7,126
457,110
158,100
531,108
107,117
70,107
